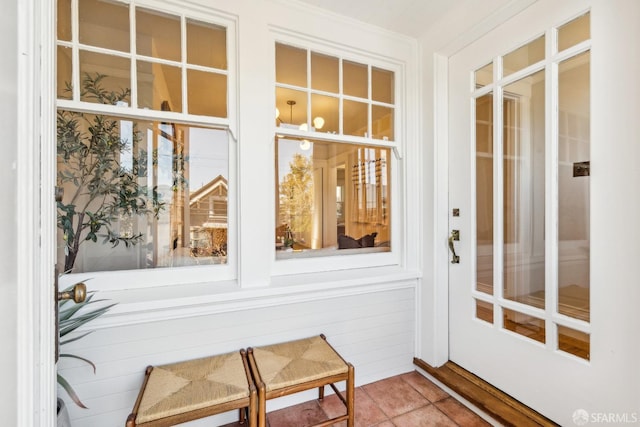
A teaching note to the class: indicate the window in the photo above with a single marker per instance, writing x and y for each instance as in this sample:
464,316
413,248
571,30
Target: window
334,138
142,141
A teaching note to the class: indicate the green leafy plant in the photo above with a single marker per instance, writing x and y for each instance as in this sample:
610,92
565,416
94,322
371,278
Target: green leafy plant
71,316
90,150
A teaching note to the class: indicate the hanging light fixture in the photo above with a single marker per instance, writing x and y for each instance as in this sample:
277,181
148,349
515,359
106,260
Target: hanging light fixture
318,122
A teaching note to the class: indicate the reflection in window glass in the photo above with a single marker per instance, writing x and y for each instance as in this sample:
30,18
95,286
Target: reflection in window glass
150,195
382,122
525,325
355,116
291,65
574,200
203,90
158,39
523,190
159,86
382,85
64,20
524,56
355,79
64,73
574,32
325,113
484,193
96,30
484,311
206,44
291,108
158,35
112,72
371,115
333,198
325,73
574,342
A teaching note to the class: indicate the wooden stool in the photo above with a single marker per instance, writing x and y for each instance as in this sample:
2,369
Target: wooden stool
295,366
185,391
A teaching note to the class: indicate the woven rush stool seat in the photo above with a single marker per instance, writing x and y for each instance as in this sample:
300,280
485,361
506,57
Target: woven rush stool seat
198,388
295,366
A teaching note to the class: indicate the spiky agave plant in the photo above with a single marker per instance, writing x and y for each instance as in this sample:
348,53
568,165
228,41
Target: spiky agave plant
71,316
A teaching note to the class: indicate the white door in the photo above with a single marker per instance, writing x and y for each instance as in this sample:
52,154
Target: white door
541,300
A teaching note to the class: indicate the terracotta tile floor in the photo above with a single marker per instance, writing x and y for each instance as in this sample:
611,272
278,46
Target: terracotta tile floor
407,400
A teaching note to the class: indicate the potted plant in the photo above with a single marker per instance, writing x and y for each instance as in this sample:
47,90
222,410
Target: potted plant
96,189
72,316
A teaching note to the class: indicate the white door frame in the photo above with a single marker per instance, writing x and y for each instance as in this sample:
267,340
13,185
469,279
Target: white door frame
36,370
433,327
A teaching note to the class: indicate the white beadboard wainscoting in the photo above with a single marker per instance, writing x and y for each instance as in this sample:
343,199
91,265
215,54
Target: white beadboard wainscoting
371,325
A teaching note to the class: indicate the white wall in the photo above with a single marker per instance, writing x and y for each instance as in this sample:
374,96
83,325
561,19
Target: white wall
373,329
8,215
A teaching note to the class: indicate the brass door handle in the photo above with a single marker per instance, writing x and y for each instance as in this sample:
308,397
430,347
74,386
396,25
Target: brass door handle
455,235
77,294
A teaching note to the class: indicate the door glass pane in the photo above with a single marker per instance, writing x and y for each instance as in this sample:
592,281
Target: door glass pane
484,311
523,190
574,342
150,195
325,74
484,193
524,56
158,35
159,86
355,118
206,44
484,75
355,79
524,324
291,65
382,85
104,24
574,32
574,187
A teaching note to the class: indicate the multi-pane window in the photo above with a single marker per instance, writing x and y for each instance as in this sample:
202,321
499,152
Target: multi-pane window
332,95
334,138
143,150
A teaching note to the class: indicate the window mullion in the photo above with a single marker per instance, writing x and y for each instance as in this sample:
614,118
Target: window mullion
183,62
133,49
75,54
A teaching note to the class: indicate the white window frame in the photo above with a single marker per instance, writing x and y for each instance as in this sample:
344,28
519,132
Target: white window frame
394,257
161,276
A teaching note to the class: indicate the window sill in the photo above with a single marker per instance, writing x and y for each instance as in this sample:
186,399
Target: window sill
145,305
311,253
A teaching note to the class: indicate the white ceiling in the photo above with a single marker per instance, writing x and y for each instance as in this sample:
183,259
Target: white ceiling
459,19
410,17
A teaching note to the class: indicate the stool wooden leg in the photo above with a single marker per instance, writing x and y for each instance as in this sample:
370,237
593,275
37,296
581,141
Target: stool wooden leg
350,397
321,393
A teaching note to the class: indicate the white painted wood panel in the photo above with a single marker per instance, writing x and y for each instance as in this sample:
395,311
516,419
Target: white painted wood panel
375,331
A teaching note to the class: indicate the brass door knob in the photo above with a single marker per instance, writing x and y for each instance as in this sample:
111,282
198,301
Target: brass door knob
77,294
